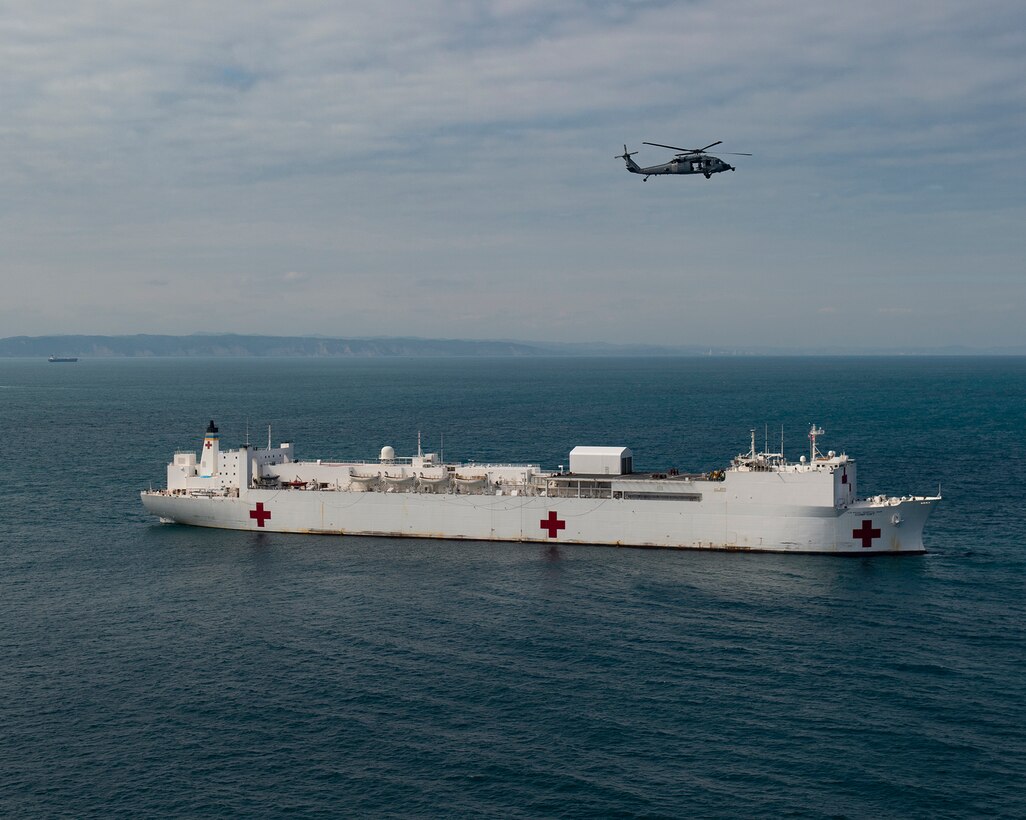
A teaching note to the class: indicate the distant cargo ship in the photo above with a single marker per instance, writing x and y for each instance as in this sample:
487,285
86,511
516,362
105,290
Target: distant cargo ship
63,359
760,502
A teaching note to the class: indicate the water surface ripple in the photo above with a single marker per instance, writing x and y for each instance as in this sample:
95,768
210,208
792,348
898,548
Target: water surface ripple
154,670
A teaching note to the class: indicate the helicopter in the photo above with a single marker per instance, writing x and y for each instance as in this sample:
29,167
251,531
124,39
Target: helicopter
687,161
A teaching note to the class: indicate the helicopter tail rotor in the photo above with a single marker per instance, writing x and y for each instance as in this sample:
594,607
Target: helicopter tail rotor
632,166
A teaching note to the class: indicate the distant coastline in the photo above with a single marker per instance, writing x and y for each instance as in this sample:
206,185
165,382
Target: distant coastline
229,345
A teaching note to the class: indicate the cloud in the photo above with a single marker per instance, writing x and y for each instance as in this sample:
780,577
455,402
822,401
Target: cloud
237,98
433,144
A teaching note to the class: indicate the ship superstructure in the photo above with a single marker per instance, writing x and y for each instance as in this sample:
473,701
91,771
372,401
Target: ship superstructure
761,501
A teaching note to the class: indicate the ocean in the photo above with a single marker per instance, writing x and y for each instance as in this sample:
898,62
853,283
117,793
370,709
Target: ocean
152,670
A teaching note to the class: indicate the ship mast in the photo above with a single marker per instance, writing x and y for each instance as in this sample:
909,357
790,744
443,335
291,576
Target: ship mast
813,452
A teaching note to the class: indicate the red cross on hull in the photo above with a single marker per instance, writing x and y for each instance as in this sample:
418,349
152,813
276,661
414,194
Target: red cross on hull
260,514
553,524
866,533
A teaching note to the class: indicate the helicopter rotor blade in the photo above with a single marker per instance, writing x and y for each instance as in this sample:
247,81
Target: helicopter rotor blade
671,147
685,151
690,152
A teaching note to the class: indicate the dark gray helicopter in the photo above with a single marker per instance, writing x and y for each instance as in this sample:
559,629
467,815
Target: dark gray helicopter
688,161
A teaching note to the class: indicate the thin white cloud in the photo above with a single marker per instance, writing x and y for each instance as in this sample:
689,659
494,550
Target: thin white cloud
473,142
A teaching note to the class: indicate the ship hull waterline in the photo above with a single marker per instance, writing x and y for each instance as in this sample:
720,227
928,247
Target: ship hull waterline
893,527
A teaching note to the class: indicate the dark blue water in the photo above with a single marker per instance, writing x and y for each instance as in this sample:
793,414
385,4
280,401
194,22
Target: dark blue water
152,670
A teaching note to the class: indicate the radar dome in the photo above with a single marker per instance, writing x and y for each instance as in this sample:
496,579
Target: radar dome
387,453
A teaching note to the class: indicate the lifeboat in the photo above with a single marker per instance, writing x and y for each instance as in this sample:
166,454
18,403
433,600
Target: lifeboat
398,482
433,484
475,482
362,483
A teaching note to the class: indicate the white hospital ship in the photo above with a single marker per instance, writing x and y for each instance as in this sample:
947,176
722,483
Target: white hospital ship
760,502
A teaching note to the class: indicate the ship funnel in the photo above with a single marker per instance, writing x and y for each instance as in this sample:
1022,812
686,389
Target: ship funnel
211,451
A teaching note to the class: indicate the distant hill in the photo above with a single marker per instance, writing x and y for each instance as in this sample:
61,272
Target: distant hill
208,345
143,345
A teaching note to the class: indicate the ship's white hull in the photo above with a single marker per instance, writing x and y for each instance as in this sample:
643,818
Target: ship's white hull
865,527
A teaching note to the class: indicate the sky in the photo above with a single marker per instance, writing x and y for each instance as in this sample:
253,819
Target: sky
448,170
